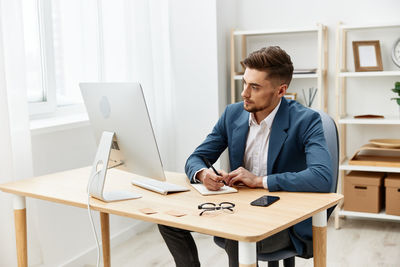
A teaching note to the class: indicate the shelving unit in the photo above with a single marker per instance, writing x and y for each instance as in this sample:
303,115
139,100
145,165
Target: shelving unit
344,119
321,66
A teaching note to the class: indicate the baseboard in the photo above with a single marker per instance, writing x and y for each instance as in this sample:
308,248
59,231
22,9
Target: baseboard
88,255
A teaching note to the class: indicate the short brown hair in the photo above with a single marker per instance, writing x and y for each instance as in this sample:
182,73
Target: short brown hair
274,61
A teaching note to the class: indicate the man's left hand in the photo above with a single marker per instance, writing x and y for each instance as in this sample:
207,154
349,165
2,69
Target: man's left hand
244,176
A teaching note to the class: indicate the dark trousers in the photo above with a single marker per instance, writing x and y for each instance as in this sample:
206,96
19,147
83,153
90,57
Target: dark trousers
184,251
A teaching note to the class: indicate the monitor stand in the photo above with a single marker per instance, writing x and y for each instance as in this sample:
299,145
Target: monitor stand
99,171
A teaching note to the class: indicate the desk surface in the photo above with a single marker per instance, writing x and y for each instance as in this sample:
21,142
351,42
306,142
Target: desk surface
247,223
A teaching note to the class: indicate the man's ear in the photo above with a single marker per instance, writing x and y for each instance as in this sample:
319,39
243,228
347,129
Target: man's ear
282,90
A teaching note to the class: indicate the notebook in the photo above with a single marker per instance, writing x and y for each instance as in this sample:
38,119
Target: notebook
205,192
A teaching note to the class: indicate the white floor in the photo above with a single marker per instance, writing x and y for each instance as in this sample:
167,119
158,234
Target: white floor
357,243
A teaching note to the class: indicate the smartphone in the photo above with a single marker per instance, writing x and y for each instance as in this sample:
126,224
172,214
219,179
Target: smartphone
264,201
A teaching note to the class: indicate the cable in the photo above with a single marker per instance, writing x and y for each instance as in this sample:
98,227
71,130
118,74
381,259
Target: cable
90,213
91,219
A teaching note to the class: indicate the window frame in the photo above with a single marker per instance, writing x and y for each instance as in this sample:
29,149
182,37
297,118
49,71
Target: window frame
49,106
49,103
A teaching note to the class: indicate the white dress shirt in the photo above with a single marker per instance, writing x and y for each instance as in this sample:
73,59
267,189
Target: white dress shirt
256,152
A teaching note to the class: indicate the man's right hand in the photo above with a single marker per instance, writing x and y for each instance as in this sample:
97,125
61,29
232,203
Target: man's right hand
210,180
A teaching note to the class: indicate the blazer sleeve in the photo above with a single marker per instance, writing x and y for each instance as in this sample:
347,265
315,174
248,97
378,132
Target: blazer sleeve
317,177
211,148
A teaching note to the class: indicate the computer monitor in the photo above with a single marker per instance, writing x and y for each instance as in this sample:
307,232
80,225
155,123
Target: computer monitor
120,108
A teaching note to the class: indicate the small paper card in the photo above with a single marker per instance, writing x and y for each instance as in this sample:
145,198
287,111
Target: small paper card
148,211
175,213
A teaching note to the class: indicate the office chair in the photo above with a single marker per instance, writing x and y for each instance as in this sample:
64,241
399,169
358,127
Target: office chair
288,255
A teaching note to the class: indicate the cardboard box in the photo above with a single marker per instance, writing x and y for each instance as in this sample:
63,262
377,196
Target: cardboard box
392,184
363,191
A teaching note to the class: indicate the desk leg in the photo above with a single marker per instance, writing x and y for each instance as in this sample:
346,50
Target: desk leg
319,222
105,237
247,254
20,230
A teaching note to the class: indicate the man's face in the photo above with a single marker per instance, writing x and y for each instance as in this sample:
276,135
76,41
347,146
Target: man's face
260,94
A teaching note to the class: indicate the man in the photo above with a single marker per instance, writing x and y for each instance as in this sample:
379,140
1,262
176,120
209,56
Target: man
273,143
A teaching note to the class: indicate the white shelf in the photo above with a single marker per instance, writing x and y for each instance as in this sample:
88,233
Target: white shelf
278,31
305,76
370,74
382,215
388,120
295,76
371,26
345,166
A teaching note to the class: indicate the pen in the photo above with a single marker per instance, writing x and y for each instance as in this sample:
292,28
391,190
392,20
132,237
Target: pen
208,164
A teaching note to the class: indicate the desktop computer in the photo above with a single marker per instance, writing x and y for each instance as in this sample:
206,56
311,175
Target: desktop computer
121,123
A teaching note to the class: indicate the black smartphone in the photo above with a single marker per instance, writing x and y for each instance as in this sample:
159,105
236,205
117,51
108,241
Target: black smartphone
264,201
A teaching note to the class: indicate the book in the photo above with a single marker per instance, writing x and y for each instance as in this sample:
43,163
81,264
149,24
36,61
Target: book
205,192
369,116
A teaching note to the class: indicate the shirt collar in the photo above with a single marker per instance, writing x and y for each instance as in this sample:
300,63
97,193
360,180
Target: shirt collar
268,120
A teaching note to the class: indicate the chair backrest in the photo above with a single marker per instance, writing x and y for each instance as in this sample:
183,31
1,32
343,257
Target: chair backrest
332,141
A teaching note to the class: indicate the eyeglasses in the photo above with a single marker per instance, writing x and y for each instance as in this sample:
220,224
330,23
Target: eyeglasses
225,206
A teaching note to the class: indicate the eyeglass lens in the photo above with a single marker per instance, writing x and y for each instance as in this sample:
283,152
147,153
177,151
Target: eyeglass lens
225,206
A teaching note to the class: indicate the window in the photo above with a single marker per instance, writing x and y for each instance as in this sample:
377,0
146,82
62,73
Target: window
63,48
73,41
34,73
76,47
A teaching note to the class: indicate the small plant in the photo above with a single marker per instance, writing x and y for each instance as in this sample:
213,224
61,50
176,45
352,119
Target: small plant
396,89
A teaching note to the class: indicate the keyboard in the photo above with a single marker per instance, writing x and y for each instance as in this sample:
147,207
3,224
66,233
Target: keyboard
158,186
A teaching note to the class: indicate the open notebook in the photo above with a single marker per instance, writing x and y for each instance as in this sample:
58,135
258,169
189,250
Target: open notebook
204,191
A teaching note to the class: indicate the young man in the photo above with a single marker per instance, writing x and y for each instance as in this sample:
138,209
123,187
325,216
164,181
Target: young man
273,143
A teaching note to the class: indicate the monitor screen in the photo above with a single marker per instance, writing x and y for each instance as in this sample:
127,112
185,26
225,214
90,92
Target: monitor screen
121,108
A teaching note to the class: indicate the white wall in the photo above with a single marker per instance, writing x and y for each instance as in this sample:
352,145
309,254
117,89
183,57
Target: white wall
200,34
195,68
226,17
62,150
59,233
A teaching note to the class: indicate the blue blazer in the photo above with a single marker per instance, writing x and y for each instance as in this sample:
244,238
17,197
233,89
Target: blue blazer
298,157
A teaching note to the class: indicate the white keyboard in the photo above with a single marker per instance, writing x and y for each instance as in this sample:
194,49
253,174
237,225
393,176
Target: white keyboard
158,186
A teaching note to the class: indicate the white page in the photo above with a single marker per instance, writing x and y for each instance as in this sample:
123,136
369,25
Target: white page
367,56
204,191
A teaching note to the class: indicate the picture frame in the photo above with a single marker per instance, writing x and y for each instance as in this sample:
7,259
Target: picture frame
367,56
292,96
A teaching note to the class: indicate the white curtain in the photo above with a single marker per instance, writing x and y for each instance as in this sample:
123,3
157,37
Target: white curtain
136,47
15,142
163,87
143,51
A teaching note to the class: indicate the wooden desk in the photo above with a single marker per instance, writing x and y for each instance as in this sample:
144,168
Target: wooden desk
248,224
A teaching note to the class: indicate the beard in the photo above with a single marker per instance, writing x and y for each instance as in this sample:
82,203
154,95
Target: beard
254,109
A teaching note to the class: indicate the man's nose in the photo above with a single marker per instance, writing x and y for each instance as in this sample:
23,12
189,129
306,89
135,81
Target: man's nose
245,92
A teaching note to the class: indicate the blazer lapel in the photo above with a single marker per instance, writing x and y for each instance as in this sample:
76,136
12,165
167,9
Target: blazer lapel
278,134
239,137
